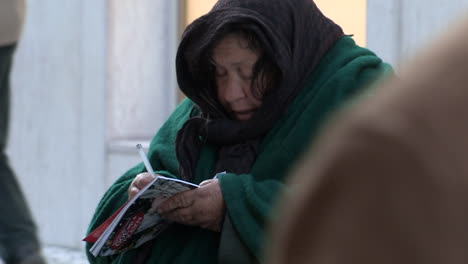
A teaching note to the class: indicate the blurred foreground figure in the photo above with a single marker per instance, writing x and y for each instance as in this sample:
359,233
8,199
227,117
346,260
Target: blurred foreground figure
18,241
388,181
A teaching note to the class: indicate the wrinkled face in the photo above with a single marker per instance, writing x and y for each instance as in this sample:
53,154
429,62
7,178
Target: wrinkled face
234,62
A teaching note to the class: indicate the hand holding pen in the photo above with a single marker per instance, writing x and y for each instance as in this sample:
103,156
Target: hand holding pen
142,179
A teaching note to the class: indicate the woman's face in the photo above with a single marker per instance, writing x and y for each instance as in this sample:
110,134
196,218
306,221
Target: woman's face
234,62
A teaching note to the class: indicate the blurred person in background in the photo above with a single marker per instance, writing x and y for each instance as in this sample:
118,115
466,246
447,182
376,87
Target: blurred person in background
260,76
19,243
387,181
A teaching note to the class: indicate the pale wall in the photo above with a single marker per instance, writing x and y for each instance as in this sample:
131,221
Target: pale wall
91,79
350,14
197,8
57,139
397,28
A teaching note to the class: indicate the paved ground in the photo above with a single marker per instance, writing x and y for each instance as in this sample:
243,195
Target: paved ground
56,255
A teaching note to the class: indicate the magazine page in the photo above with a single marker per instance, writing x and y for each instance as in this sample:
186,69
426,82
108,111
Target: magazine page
104,230
140,223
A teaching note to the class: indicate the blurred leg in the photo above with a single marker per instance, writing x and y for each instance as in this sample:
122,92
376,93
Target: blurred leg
17,228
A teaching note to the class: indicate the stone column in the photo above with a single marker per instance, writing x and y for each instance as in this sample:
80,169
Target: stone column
398,28
90,76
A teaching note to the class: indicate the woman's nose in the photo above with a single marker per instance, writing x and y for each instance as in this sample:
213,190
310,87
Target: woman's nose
234,90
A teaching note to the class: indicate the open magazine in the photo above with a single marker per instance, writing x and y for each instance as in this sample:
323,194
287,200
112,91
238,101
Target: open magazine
136,222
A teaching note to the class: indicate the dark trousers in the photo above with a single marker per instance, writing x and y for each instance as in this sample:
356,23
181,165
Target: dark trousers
17,228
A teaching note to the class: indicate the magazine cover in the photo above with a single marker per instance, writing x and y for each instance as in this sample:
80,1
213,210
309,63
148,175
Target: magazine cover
136,222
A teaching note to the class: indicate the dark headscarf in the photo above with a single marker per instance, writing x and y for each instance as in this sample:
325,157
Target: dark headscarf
294,34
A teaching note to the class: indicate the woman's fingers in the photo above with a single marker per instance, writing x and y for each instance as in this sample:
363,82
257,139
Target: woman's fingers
202,207
143,179
132,192
183,216
140,181
205,182
180,200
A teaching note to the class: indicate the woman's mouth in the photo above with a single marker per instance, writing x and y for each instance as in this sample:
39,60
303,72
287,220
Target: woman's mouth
244,115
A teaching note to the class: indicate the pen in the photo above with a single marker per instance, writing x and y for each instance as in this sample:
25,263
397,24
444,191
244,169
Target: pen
145,160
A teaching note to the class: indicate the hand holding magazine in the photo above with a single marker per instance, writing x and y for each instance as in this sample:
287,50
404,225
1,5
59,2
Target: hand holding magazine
137,221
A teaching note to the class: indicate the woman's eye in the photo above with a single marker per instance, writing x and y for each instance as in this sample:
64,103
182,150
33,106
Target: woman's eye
246,75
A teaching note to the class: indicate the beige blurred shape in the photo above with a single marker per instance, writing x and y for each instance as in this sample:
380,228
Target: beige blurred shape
387,181
12,14
350,14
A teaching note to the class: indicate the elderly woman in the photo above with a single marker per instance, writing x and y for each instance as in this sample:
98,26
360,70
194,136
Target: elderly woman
260,77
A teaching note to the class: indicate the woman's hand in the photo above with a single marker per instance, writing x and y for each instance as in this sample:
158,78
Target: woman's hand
140,181
203,207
